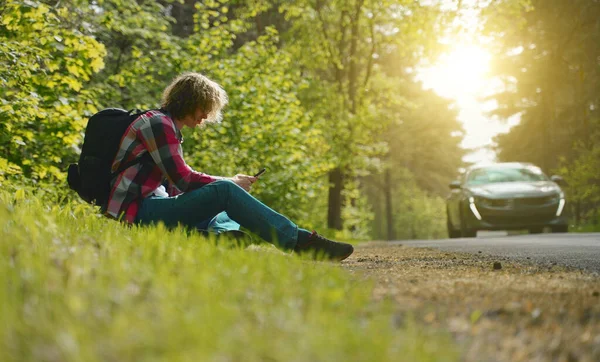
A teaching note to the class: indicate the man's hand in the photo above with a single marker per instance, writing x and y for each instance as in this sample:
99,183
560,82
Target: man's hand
244,181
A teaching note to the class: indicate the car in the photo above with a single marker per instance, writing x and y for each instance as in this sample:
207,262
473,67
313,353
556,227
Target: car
505,196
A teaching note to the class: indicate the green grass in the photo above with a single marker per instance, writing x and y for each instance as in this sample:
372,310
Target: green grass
79,287
589,227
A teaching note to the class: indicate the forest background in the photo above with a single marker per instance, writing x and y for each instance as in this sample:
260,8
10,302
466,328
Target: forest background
322,93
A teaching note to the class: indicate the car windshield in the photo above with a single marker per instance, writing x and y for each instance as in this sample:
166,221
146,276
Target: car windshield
504,174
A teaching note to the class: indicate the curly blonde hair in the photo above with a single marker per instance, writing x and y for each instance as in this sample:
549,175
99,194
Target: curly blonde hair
190,91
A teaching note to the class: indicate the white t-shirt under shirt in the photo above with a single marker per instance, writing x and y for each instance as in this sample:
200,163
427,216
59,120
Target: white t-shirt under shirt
160,191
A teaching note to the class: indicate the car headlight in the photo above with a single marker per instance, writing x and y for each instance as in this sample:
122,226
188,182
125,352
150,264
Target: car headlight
561,203
472,201
554,198
480,200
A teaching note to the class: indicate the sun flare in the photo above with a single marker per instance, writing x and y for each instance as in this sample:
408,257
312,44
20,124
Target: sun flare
460,73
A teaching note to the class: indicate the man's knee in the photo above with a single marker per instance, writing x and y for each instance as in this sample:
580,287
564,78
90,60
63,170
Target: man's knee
225,184
225,187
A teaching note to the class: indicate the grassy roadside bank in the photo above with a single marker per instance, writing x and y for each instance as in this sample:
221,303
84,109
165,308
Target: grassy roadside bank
521,312
77,287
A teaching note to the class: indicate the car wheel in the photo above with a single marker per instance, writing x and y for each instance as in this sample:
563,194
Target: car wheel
469,233
452,233
464,231
560,229
536,230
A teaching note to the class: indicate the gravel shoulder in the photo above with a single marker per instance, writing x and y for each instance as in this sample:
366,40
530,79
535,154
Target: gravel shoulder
496,309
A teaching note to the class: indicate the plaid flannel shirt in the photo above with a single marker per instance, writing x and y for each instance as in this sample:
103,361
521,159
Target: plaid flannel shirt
153,132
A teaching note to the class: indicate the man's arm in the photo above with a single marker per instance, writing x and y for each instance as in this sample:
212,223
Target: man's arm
158,134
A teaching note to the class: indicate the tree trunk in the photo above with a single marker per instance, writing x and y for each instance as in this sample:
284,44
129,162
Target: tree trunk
353,69
353,72
184,17
334,214
378,232
391,233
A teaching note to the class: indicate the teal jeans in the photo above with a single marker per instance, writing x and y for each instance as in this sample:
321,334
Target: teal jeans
205,206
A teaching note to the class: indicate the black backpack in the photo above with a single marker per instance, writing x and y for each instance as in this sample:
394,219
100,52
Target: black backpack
92,175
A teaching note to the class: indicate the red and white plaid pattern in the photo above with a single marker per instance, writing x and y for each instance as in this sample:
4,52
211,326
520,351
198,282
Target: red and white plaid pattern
154,132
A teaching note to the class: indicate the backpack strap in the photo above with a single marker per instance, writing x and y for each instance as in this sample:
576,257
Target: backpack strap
138,112
146,156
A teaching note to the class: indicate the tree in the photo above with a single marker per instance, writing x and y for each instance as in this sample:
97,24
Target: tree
548,58
423,155
266,126
44,61
338,45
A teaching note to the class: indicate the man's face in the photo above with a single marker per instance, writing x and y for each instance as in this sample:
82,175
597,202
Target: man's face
195,119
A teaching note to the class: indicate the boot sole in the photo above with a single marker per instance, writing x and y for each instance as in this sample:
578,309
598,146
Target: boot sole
344,257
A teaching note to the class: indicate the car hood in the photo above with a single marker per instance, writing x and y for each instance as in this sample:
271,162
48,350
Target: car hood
515,189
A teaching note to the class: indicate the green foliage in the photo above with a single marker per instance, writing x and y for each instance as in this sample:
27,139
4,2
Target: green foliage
142,55
547,37
338,44
423,155
44,62
357,213
583,174
548,57
583,184
81,288
416,214
352,51
591,226
423,134
265,127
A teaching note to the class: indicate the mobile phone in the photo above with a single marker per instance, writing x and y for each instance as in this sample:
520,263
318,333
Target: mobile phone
260,172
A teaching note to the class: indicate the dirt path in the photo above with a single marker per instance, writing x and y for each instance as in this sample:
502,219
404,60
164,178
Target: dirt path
506,312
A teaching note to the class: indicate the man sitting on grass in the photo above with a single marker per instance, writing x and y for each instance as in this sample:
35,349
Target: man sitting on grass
137,194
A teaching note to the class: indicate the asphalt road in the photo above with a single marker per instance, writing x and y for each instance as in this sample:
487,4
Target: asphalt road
578,250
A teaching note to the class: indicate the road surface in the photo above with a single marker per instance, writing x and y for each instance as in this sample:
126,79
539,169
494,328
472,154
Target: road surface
578,250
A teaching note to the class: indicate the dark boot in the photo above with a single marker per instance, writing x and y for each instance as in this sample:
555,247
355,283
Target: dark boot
319,247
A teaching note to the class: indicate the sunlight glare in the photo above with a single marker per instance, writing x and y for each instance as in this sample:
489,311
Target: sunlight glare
460,73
